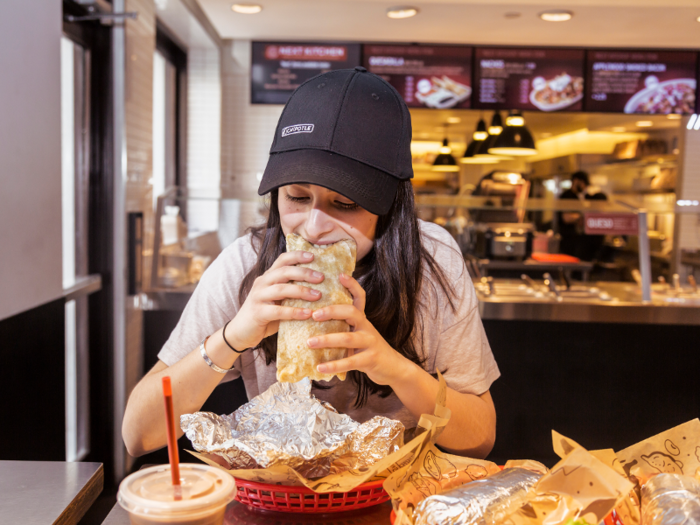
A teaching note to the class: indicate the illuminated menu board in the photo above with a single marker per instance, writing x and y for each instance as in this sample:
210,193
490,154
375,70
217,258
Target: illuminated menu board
645,82
278,68
426,76
529,79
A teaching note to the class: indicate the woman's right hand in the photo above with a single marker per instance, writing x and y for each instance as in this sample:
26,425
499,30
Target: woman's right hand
261,312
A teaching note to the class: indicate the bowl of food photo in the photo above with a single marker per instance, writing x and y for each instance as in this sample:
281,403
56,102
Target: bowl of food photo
556,93
671,96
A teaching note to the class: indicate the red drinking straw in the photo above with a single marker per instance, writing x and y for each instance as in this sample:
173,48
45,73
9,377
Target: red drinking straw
172,436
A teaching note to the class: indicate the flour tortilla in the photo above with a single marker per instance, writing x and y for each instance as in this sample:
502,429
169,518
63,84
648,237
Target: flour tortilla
295,360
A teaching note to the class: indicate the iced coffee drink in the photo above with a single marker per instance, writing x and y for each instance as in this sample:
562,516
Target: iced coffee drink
150,498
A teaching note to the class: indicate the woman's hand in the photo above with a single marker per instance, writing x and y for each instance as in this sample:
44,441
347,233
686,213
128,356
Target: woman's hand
261,312
368,352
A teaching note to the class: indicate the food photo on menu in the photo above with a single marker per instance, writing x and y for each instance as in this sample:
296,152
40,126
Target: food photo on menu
426,76
556,93
642,82
527,79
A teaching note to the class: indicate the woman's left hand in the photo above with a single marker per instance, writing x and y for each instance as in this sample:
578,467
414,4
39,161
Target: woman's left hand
368,352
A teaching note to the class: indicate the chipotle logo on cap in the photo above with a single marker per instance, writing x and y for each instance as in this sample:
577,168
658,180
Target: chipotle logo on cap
297,128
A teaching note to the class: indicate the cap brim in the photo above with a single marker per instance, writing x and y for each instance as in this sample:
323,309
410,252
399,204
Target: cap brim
369,187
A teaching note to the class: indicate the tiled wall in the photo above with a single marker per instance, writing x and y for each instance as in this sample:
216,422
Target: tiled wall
203,137
247,131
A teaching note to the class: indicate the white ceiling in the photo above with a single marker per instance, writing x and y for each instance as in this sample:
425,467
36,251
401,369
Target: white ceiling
622,23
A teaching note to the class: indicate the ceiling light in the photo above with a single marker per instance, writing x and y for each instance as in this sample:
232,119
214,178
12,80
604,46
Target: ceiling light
453,120
445,161
401,12
516,140
619,129
673,116
697,19
556,16
644,123
246,9
496,124
480,132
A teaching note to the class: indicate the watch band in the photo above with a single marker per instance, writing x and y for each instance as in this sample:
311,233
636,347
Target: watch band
208,360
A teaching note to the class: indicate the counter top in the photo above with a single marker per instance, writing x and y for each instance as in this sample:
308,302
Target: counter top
42,492
236,513
622,305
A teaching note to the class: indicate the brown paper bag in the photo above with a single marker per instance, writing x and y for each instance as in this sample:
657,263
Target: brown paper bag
675,451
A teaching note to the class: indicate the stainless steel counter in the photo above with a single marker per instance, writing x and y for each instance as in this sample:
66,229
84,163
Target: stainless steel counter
39,492
602,302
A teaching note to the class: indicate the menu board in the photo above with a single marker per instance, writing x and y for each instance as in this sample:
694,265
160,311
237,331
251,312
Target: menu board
278,68
645,82
426,76
529,79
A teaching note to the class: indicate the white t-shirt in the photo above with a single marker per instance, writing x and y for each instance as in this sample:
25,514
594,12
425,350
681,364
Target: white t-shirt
454,342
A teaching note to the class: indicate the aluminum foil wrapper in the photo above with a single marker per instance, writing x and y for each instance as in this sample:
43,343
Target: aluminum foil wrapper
287,426
483,501
671,499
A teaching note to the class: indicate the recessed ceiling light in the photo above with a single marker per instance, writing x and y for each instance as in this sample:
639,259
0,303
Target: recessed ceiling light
619,129
697,19
556,16
644,123
453,120
673,116
401,12
247,9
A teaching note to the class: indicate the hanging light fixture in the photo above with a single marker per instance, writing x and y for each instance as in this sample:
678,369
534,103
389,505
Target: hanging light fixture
478,138
445,161
495,129
515,140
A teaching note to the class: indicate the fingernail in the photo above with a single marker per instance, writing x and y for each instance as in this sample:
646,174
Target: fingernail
322,368
317,275
312,341
343,276
306,255
306,311
318,314
315,293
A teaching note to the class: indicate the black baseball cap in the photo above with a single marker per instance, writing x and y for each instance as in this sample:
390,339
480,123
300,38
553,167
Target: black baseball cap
347,130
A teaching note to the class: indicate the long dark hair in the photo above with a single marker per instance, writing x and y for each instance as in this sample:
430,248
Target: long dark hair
391,274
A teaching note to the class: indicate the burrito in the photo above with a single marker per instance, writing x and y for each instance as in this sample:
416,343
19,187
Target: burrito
488,500
295,360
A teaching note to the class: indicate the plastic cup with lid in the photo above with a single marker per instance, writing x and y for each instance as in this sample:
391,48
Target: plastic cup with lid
201,499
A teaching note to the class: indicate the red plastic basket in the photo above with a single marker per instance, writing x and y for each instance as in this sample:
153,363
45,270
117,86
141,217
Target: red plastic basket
282,498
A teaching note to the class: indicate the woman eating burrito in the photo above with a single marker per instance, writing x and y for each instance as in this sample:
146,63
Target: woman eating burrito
339,172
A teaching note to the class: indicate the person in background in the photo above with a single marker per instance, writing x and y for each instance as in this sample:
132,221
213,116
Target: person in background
571,223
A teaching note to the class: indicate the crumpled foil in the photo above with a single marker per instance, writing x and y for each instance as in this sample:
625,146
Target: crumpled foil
671,499
483,501
287,425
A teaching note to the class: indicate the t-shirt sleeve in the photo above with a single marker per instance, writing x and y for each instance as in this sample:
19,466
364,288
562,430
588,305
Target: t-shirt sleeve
455,341
213,303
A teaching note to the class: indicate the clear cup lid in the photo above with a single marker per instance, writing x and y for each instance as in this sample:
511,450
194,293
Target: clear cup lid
150,490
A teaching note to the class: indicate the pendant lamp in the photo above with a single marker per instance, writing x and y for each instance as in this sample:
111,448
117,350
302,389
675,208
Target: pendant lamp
478,138
515,140
445,161
494,131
